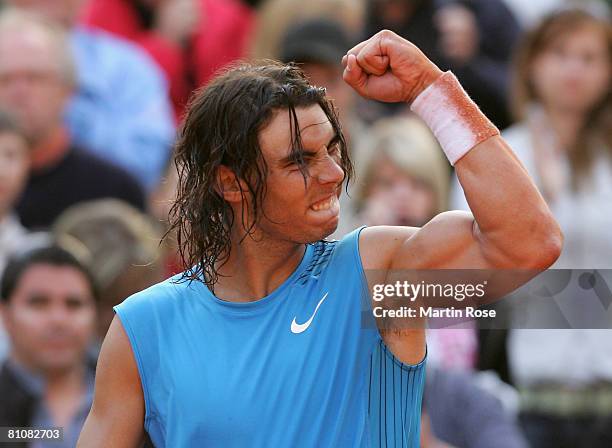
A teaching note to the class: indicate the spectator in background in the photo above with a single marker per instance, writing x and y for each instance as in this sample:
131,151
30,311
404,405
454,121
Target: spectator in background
564,139
189,39
458,413
120,109
403,181
14,167
48,308
317,46
530,13
276,17
124,247
36,82
473,38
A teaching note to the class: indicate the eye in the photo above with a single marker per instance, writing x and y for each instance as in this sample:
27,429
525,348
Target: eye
75,303
294,166
37,301
334,150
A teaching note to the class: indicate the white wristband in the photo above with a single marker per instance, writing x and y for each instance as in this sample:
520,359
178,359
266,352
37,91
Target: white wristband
455,120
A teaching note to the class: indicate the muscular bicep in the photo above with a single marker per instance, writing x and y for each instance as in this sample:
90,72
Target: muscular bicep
451,240
117,415
451,249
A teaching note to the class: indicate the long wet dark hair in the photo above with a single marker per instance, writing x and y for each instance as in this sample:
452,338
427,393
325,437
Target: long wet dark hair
222,127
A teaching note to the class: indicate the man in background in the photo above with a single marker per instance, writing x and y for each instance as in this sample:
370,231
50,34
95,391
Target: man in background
49,311
119,109
37,80
14,166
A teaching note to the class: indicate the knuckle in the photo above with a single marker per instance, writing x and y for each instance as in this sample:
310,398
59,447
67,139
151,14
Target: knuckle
386,34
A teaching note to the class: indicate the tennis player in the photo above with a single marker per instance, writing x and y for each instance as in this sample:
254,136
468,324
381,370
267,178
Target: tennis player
264,341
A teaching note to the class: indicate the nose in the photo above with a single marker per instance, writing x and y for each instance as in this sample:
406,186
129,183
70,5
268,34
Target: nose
330,171
59,316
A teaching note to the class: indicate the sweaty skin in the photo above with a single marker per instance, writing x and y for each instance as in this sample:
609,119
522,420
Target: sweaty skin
511,227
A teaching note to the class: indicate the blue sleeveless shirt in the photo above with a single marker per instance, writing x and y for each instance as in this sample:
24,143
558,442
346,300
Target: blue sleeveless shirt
302,367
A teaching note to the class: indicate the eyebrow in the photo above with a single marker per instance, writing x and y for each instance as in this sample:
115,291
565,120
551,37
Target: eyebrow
291,157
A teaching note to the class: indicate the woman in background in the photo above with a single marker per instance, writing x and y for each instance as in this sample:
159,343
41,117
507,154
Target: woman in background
564,139
405,183
391,173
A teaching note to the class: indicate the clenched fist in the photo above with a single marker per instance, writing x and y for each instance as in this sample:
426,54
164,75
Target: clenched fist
388,68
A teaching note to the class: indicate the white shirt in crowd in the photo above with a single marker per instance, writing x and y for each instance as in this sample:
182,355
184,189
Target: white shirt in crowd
551,355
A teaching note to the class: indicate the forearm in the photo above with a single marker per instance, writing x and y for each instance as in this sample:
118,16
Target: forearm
512,220
513,225
98,432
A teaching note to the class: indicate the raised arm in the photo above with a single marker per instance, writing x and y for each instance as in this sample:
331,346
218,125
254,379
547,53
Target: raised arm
511,225
117,415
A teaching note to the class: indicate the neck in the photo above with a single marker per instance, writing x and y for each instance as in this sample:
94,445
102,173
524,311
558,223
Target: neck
64,392
50,150
566,125
256,267
64,381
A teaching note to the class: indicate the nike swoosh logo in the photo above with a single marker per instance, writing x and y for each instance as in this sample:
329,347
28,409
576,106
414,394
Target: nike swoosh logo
300,328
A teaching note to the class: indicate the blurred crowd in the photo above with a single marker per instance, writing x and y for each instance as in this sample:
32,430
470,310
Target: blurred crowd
92,93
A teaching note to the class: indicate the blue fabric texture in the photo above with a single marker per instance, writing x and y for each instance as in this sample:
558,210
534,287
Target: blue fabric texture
394,403
293,369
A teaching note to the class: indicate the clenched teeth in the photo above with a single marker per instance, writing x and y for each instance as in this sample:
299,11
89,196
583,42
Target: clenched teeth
324,205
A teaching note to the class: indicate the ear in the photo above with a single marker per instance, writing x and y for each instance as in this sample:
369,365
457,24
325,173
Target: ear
228,185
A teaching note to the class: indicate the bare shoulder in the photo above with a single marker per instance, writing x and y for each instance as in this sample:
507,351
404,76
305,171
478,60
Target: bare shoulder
117,414
379,248
117,362
449,237
377,245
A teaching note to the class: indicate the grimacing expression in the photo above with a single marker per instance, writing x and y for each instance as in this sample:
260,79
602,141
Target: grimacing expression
573,73
294,211
32,84
50,317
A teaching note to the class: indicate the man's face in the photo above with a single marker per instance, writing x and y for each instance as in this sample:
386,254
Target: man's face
32,85
291,211
50,317
14,164
64,12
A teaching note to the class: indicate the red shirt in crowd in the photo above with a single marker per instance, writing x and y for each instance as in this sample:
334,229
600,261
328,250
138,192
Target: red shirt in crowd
222,37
